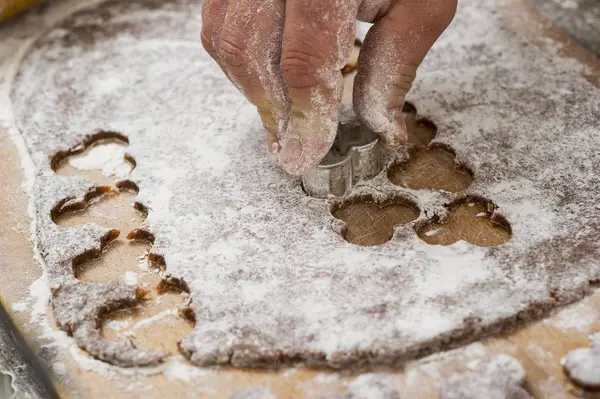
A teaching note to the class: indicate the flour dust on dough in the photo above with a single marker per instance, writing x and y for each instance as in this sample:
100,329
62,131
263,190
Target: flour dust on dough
271,280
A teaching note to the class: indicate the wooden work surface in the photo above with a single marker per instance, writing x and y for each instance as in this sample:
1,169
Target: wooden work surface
539,346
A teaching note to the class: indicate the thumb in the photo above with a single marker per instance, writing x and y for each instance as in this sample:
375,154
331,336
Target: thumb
391,53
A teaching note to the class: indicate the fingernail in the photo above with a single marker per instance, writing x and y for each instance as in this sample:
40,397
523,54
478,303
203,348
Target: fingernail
290,155
400,135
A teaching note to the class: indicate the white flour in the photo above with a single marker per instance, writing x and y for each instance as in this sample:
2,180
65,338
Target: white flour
109,158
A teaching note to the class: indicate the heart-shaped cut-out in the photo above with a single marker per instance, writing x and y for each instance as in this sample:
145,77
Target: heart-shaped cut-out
371,223
470,219
583,365
432,168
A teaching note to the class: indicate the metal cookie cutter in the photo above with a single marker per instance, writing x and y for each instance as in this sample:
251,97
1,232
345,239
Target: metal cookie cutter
354,156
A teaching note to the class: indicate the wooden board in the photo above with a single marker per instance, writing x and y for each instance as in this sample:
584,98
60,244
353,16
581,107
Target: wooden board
539,346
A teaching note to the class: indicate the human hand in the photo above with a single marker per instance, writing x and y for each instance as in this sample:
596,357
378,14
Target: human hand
286,57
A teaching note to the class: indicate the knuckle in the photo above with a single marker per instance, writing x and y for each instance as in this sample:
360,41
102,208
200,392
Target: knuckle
233,50
304,58
211,11
300,69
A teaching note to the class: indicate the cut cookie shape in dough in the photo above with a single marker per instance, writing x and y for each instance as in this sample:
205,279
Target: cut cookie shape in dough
81,319
497,377
470,219
169,310
431,168
582,365
107,329
420,131
371,223
100,156
107,206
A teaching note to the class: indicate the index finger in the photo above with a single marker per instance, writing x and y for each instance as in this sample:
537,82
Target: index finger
318,36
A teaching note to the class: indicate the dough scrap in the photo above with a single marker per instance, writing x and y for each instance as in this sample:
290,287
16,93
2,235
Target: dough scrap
498,377
583,365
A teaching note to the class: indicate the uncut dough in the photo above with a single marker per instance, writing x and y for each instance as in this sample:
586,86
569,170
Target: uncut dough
270,279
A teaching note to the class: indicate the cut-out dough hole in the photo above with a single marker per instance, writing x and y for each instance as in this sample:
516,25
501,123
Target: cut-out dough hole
432,168
91,255
118,261
470,219
127,186
88,142
409,108
139,323
141,235
69,205
157,261
172,284
103,206
102,137
162,306
370,223
187,313
130,160
101,157
420,131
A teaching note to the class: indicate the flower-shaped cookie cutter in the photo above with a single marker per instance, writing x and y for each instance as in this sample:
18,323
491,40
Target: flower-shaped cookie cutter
354,156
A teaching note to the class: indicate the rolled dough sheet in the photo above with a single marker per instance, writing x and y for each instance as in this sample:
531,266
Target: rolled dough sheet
271,281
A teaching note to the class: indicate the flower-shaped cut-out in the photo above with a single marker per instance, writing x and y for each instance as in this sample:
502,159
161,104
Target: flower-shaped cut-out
431,168
369,222
469,219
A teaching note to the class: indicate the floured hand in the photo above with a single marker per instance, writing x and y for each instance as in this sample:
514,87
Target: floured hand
286,57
